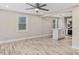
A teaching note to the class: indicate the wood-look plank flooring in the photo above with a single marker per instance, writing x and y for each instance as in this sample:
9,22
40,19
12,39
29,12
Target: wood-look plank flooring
39,46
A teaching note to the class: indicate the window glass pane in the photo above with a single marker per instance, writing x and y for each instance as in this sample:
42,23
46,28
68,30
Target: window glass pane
22,20
54,23
22,26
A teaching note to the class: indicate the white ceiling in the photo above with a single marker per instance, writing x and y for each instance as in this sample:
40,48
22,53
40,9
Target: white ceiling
53,7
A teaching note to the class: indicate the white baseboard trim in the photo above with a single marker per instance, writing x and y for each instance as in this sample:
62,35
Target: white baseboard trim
75,47
24,38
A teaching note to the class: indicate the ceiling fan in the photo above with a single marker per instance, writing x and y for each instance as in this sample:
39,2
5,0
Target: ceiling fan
37,7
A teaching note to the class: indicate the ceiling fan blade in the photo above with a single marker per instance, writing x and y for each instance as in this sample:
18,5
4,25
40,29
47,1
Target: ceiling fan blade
31,5
37,4
43,9
29,8
43,5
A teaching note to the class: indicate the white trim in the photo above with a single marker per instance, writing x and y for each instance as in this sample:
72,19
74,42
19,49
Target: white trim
75,47
24,38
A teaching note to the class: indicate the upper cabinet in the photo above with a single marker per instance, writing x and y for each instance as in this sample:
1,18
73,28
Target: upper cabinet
58,22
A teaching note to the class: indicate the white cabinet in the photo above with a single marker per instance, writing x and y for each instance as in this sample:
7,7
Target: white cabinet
58,29
61,33
58,34
55,34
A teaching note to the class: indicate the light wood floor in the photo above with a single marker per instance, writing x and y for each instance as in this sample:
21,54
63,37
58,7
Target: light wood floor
39,46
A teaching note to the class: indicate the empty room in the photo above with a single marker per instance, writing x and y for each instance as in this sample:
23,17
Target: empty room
39,28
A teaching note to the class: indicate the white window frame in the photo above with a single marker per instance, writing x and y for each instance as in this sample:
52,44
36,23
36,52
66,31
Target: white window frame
26,24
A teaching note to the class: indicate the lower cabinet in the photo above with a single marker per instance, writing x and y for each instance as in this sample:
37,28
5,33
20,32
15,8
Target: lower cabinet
58,34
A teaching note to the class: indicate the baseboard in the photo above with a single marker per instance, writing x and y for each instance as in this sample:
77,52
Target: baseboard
75,47
24,38
61,38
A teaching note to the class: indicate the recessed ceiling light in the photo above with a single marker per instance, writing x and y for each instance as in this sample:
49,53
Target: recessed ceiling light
6,6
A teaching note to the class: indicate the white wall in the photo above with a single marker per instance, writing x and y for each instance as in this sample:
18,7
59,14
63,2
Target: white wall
47,25
36,25
75,26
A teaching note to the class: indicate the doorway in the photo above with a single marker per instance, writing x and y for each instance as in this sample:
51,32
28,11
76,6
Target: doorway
68,26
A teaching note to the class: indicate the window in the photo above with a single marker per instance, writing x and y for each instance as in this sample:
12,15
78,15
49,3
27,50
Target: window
22,23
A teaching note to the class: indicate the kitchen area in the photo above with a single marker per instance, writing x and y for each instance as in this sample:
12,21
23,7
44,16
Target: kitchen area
62,27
